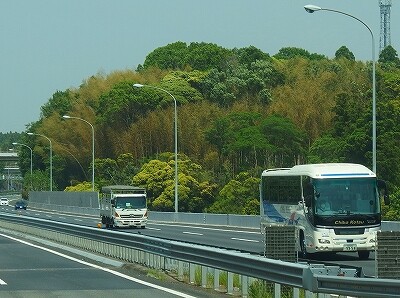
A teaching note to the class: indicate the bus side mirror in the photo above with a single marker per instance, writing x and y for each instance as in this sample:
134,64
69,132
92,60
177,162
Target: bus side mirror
386,199
307,200
308,193
382,187
113,203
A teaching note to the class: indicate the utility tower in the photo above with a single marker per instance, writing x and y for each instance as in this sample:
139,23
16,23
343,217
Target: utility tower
384,39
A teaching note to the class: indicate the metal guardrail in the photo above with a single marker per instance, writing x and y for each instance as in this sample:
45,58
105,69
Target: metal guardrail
243,221
126,246
66,208
360,287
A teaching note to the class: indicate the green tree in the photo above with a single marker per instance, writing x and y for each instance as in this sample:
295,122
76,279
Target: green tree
249,55
124,104
286,142
126,168
250,81
220,135
390,86
344,52
158,176
40,181
204,56
6,139
392,212
198,56
238,138
167,57
84,186
179,85
251,141
238,196
119,171
327,149
292,52
106,171
389,56
61,102
388,142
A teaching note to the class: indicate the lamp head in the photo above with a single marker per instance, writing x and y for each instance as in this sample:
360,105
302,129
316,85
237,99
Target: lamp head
311,8
30,133
138,85
15,143
66,117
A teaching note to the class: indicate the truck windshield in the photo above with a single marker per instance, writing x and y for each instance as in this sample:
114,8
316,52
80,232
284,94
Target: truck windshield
131,202
346,196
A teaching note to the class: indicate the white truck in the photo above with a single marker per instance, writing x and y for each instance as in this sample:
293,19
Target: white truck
123,206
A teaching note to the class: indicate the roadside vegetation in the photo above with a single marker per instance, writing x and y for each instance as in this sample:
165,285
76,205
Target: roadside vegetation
239,111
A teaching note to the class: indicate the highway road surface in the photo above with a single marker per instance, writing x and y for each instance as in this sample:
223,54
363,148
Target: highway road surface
33,270
232,238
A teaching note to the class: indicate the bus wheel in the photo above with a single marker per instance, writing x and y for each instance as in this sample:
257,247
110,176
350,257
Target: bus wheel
363,254
303,250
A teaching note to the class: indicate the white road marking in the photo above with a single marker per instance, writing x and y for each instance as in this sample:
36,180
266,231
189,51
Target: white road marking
155,229
246,240
2,282
256,231
180,294
199,234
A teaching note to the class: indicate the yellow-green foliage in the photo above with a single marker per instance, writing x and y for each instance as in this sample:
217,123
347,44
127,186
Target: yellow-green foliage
84,186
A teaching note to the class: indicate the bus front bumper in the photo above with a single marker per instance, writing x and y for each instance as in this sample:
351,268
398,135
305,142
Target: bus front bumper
330,242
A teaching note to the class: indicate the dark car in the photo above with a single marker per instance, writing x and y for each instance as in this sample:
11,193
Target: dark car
21,204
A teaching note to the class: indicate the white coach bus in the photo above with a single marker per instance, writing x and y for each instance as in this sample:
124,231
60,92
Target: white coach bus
335,207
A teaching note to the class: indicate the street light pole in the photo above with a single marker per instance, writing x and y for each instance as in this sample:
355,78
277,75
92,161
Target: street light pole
91,126
51,157
175,137
20,144
313,8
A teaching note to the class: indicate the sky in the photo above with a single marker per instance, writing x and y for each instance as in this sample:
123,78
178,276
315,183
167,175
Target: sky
53,45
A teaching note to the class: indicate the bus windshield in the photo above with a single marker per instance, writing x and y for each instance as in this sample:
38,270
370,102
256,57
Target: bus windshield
345,196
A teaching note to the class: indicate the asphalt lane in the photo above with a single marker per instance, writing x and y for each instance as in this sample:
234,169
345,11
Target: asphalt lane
30,270
237,239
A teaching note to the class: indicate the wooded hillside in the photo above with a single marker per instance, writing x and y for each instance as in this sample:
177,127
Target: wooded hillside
239,111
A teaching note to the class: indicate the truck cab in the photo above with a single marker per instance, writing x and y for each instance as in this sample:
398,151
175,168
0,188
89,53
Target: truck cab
123,206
